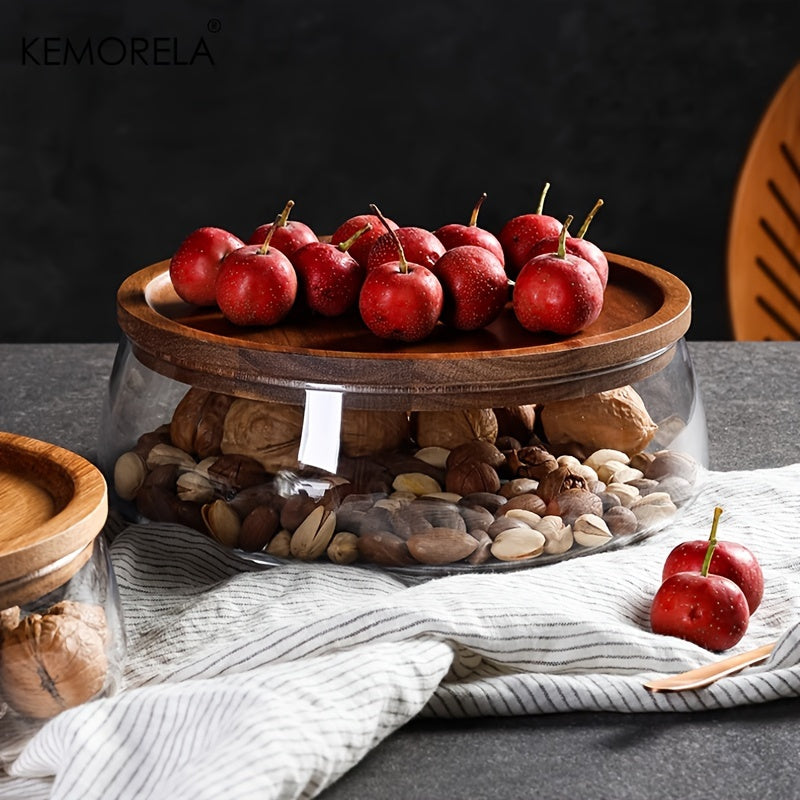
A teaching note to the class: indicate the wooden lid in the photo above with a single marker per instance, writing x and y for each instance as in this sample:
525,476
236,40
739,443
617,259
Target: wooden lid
646,311
53,503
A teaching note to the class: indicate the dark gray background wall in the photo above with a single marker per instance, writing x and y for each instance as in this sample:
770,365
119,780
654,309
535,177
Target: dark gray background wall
417,106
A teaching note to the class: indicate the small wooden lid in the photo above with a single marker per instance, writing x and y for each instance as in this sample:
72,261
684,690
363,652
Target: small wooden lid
646,311
53,503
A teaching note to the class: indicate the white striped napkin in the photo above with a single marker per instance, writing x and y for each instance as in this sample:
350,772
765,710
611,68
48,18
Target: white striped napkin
245,681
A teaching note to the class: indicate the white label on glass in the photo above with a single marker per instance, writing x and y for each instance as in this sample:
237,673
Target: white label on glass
322,422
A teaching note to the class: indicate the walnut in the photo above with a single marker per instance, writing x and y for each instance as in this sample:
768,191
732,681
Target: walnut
559,480
516,421
471,476
614,419
197,422
53,661
267,432
454,427
364,433
476,450
531,462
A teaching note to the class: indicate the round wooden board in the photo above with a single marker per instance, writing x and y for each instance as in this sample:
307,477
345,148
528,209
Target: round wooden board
645,312
53,503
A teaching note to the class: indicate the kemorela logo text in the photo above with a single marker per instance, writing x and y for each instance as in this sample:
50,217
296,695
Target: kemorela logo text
115,51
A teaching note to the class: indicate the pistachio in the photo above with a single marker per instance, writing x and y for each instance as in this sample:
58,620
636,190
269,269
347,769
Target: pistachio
222,522
679,489
602,456
404,496
441,546
518,486
130,471
502,524
626,493
312,537
416,482
590,530
450,497
435,456
518,544
529,518
390,503
558,536
642,461
343,548
654,509
162,454
194,488
280,544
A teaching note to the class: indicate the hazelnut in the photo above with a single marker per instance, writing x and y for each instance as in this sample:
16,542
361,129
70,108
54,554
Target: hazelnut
343,548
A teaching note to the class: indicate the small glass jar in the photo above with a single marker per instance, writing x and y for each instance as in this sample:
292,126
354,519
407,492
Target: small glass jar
489,450
62,638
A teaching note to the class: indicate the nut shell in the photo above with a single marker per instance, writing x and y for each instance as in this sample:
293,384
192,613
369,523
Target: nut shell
614,419
54,661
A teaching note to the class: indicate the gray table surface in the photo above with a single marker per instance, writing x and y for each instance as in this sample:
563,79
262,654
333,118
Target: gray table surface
55,393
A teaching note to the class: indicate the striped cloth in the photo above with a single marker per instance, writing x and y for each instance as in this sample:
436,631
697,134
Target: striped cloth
270,682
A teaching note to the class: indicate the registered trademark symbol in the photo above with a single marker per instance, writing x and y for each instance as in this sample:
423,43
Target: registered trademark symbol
214,25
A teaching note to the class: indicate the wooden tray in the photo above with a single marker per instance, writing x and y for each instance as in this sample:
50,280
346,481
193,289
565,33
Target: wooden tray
646,311
53,503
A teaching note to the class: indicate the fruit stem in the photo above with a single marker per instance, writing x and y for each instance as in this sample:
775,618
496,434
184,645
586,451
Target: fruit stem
473,220
582,231
401,256
265,247
540,207
348,243
284,215
712,542
562,238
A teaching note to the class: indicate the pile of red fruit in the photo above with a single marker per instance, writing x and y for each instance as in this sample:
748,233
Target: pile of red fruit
402,280
708,593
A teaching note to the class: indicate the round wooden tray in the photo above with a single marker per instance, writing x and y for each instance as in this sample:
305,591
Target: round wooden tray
646,311
53,503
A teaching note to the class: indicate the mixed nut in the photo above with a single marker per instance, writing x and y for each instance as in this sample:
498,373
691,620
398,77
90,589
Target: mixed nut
469,487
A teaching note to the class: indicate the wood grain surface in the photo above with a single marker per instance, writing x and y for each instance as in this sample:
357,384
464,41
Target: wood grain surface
646,311
53,503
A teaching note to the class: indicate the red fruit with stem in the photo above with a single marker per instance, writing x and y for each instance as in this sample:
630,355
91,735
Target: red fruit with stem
419,245
288,236
475,287
729,559
557,292
707,609
456,234
330,278
578,246
196,263
520,233
257,284
361,247
400,300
